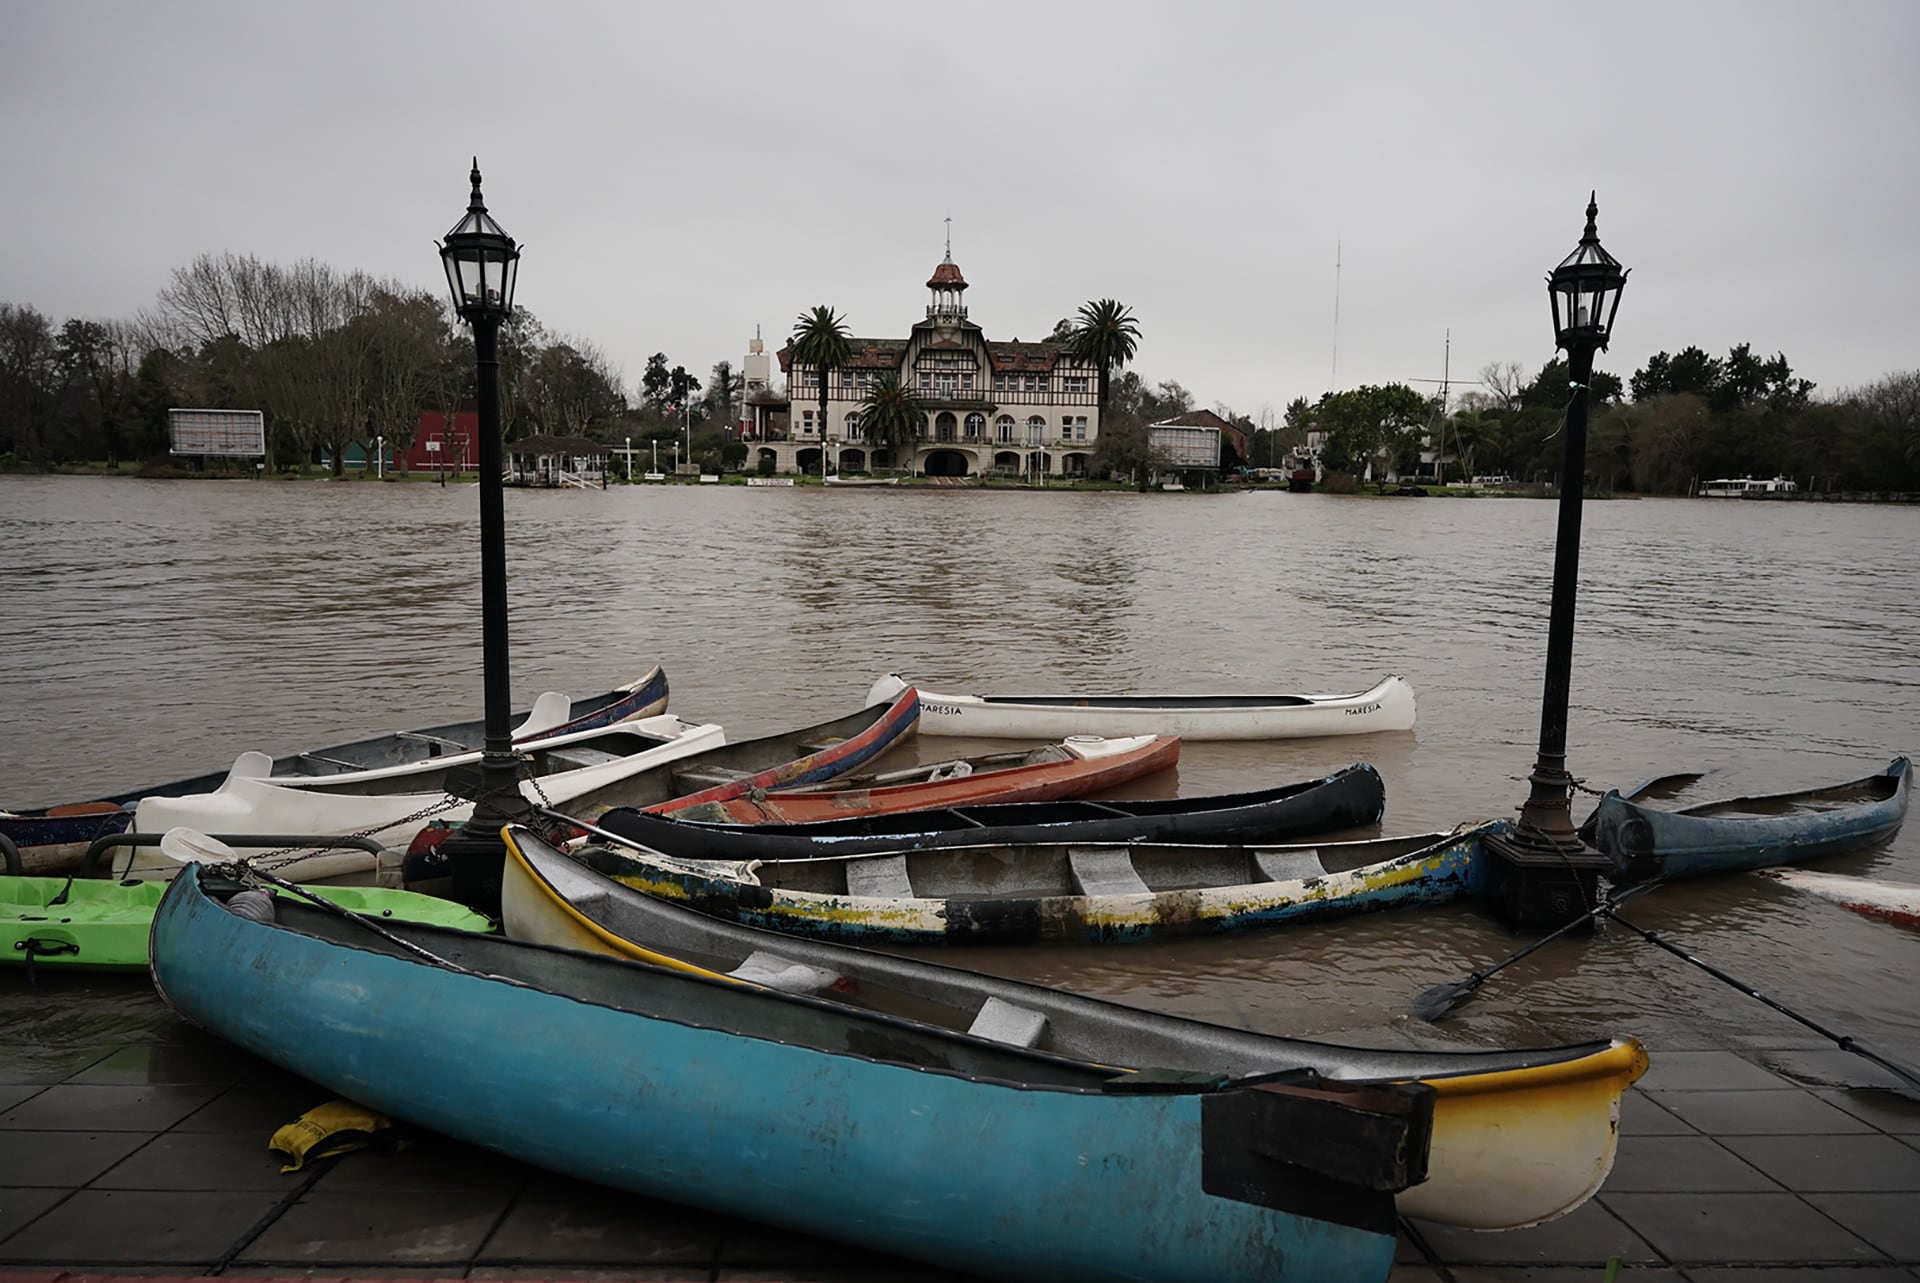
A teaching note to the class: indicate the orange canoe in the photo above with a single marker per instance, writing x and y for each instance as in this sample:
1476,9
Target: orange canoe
1075,767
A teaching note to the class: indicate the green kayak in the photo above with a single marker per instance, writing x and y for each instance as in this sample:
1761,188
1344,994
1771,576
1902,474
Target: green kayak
100,925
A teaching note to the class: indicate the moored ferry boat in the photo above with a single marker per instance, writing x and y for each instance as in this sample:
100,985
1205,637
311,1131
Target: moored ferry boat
1741,487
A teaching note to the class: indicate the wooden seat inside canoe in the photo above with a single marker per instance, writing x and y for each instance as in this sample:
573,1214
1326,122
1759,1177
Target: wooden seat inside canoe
1005,1022
1288,866
815,746
772,971
1105,871
882,877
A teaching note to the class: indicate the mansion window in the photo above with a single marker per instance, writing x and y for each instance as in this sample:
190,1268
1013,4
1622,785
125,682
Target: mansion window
1036,430
1074,383
1035,383
810,379
976,426
856,380
945,384
806,423
851,426
1003,382
1073,427
1003,429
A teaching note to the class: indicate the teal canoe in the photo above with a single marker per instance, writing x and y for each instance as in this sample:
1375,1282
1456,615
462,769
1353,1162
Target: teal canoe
966,1152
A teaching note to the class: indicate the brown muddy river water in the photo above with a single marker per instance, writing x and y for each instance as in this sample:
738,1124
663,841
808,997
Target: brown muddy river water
153,629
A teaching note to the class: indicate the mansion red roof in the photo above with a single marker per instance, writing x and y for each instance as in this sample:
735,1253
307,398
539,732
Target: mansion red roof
947,275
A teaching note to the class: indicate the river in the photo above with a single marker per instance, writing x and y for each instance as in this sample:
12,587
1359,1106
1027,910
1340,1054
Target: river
151,629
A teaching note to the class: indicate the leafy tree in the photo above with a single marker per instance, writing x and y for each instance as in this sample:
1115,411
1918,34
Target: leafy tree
821,340
27,353
1106,337
891,416
682,388
1368,424
724,387
656,384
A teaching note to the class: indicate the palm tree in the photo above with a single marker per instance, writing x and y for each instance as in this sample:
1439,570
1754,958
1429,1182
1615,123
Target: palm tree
891,415
1105,336
820,340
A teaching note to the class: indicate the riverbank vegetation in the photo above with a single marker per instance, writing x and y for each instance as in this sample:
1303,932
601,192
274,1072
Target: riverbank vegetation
335,359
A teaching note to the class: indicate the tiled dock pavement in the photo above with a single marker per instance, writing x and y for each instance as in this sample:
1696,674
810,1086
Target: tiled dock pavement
137,1145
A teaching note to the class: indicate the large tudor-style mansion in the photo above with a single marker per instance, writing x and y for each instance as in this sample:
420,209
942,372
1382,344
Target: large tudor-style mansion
1009,408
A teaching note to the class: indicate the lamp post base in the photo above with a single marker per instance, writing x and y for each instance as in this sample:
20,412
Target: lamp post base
475,856
1540,875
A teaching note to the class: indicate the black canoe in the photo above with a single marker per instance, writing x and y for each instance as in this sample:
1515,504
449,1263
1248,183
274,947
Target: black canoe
1347,799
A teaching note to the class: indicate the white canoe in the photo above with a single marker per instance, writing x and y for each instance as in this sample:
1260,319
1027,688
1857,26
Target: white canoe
391,809
1896,902
1387,707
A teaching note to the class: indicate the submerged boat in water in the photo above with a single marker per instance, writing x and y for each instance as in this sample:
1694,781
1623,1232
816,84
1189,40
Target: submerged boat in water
1388,706
807,1114
1519,1136
1646,842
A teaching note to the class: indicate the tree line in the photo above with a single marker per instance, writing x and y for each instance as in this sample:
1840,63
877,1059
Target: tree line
334,358
1682,418
331,358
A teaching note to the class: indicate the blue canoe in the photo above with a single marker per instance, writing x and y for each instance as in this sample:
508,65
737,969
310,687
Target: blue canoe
811,1115
1756,832
53,839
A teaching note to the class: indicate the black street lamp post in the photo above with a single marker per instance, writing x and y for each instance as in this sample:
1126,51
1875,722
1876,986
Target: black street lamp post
482,264
1542,874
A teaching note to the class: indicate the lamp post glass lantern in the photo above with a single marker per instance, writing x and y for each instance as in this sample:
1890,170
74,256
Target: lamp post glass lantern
482,265
1542,874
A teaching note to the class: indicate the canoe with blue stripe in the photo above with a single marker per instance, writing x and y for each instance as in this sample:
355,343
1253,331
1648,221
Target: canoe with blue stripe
968,1153
1110,892
53,839
1757,832
1349,798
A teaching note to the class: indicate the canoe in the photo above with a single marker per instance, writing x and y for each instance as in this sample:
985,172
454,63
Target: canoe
1387,707
90,924
1520,1136
1096,893
1895,902
1348,798
806,1114
810,755
1075,767
1646,842
393,806
53,839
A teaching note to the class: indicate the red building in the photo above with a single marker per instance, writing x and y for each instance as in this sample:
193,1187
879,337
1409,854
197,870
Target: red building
438,447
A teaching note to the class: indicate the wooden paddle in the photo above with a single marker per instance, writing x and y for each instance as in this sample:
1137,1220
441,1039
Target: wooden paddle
1438,1001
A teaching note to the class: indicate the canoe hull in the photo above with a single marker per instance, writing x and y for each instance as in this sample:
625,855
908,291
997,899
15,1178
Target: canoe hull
1039,782
1389,706
1644,842
1349,798
1518,1137
53,840
1083,1183
1452,867
98,925
248,803
1895,902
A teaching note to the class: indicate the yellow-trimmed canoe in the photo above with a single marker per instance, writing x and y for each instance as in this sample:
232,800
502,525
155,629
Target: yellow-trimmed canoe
1519,1136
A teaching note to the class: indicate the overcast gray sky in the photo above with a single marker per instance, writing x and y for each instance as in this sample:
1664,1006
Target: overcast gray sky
680,174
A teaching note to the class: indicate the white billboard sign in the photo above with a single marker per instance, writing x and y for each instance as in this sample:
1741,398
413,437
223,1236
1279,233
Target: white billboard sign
241,433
